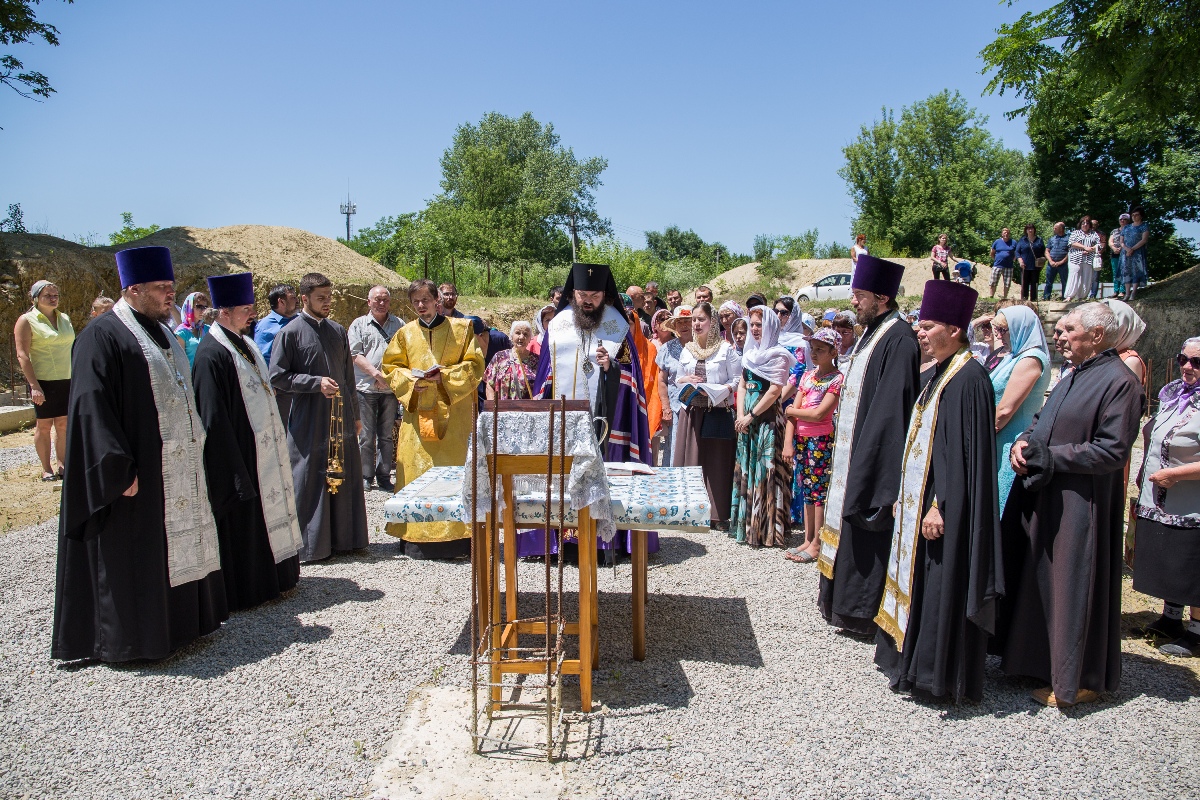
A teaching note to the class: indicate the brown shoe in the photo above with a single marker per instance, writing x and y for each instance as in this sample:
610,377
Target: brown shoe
1046,697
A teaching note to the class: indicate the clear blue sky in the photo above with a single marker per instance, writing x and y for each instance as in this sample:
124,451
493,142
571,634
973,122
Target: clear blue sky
728,118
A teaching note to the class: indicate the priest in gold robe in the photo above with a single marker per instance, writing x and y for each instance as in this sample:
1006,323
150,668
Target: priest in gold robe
434,365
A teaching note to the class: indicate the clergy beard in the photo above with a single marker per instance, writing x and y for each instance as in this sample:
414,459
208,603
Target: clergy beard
587,320
867,316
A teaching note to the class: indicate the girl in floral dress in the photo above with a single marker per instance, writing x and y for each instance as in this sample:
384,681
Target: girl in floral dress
808,437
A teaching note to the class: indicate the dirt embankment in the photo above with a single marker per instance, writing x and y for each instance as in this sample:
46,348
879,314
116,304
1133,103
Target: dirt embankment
274,254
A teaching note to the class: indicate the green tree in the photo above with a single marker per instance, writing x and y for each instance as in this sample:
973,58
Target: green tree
509,188
130,232
18,25
1108,93
671,245
936,170
1135,59
15,221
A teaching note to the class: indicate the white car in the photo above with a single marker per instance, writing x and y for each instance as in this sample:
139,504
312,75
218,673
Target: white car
831,287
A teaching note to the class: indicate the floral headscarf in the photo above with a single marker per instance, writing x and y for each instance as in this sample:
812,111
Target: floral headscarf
191,320
738,312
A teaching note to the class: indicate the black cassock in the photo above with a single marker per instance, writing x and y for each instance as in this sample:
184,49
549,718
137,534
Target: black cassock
957,578
1061,619
113,599
231,464
305,351
889,391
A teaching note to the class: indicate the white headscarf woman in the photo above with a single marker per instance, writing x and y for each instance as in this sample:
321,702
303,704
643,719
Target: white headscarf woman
539,328
1130,328
794,329
764,356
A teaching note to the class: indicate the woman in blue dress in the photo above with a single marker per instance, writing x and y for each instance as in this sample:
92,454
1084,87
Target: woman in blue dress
1020,382
1133,253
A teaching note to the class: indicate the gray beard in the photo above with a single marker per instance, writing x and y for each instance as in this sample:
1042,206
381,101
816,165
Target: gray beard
587,320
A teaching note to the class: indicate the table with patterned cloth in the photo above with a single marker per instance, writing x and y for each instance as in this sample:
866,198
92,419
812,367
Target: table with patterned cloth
673,498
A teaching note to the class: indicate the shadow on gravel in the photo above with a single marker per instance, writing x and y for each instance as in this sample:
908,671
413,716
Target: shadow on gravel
679,628
259,633
675,550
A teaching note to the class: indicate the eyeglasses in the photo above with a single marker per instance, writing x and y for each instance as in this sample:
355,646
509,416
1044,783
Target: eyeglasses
1183,361
783,312
986,326
1000,329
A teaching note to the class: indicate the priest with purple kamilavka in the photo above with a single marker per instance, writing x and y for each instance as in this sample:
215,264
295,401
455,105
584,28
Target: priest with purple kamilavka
944,574
246,456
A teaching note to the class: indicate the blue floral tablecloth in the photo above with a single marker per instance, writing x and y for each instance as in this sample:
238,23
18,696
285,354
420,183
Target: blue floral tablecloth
674,498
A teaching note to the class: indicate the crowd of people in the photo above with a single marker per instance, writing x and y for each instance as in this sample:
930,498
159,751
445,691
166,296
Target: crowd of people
1075,258
952,506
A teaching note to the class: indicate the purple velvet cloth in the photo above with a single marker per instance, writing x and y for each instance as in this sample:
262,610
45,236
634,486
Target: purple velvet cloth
949,303
144,265
876,275
229,291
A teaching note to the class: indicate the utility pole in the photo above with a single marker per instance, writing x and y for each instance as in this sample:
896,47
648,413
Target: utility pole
574,239
349,209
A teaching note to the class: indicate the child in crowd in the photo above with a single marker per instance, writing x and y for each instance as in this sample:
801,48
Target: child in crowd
808,437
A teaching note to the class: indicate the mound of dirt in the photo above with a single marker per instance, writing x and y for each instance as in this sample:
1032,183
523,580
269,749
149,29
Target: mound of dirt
274,254
806,271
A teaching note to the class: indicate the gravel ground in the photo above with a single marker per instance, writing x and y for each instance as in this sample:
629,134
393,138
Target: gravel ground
745,693
11,457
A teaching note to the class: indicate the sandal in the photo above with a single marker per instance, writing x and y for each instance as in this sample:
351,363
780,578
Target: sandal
48,477
803,557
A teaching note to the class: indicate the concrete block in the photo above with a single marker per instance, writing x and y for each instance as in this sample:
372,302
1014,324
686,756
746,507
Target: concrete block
14,418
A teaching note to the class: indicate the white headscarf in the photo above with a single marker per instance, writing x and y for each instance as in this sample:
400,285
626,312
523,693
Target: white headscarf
538,328
1131,326
765,357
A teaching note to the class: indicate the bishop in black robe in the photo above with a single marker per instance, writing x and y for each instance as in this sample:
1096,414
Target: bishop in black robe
1061,619
231,464
957,576
851,598
113,600
306,350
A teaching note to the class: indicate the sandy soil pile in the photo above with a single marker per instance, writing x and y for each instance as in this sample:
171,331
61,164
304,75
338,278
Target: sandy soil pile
274,254
806,271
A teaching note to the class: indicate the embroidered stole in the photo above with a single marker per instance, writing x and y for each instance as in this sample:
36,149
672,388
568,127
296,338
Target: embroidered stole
897,593
274,465
192,550
831,531
573,368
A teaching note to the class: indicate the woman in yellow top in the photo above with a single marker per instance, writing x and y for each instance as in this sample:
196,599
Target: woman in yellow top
44,337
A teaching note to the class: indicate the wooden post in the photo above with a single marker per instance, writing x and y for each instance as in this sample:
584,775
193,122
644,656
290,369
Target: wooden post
489,270
453,275
521,280
427,266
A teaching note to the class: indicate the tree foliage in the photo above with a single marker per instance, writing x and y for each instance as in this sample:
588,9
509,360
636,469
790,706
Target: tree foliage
509,191
1108,93
15,221
936,170
130,232
19,25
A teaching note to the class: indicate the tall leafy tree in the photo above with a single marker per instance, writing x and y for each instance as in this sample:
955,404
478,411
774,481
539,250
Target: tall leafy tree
1107,88
936,170
19,25
509,188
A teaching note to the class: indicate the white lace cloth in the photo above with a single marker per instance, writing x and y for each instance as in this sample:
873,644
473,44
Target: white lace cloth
525,433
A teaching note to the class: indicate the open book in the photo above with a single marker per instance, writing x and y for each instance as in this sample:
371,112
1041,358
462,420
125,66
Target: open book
421,373
627,468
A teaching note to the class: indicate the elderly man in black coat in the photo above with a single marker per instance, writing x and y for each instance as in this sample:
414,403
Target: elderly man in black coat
1063,525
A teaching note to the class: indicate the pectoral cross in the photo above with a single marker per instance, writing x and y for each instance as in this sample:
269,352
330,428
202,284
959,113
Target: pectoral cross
589,273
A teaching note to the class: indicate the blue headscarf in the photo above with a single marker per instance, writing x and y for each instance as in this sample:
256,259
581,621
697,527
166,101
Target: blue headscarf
1025,338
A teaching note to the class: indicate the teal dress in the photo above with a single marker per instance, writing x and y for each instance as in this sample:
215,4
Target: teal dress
1028,341
760,511
190,340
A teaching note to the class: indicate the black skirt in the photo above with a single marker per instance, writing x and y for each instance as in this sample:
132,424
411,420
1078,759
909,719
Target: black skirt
1166,562
57,393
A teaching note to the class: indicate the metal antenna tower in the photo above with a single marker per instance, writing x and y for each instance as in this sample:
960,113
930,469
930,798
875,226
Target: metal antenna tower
349,209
